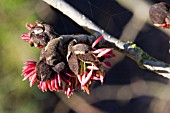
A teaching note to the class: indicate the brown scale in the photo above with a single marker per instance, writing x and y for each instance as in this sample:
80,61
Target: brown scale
44,71
81,52
41,34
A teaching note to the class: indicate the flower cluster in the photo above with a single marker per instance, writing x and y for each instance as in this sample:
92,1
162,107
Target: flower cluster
52,84
160,15
76,68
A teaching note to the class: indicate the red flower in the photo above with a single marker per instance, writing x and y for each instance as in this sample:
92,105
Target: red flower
78,67
165,25
26,36
38,34
53,84
87,63
29,72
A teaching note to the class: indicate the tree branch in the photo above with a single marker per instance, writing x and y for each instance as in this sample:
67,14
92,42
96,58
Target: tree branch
131,50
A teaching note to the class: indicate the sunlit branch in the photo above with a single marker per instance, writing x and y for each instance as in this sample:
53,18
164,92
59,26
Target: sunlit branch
131,50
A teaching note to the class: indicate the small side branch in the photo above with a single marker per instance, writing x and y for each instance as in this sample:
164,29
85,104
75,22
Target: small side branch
131,50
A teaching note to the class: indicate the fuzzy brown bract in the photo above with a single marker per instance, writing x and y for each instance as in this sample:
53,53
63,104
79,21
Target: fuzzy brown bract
160,14
67,62
44,71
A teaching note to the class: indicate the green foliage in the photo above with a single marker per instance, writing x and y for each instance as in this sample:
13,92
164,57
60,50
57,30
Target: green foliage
16,96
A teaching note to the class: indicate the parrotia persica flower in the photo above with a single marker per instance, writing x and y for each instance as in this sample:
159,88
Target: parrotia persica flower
64,65
160,14
39,34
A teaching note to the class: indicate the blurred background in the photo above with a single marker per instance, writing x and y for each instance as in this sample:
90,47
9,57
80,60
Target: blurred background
126,89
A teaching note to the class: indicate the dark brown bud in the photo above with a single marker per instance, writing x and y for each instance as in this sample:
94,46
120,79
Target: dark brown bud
44,71
41,34
59,67
160,14
51,52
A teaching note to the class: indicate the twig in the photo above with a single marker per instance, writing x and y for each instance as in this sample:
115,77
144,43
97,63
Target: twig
131,50
78,104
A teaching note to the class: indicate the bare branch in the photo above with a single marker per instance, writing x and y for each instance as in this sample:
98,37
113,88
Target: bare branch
78,104
131,50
